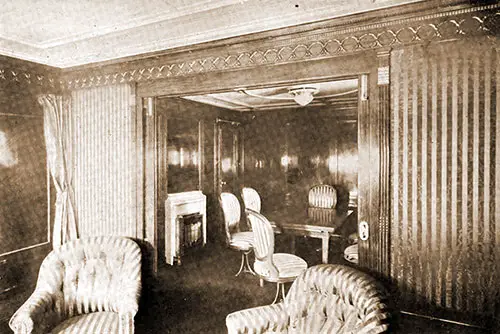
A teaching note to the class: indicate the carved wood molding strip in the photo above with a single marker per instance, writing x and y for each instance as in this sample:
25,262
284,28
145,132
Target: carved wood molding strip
457,24
22,77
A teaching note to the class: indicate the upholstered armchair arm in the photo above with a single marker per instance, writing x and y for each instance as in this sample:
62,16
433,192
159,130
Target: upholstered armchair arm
126,304
127,323
39,314
272,318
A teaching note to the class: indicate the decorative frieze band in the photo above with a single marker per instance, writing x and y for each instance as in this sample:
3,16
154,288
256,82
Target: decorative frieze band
463,23
10,75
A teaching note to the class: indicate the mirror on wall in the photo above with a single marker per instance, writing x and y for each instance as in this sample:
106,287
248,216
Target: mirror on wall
183,155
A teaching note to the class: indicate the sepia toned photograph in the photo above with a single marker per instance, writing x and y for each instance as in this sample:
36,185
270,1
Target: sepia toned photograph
249,166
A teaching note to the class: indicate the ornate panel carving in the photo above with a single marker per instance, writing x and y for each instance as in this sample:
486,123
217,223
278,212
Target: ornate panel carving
463,23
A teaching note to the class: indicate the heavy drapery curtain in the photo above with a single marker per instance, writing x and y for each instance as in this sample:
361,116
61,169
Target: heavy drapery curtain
57,133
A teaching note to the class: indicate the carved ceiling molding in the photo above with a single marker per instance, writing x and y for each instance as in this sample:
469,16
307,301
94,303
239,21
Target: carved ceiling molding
11,76
458,24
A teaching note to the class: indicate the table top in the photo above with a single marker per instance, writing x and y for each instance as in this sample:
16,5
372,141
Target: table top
303,219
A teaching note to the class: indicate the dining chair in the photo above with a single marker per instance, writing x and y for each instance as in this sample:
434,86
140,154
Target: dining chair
322,196
279,268
322,200
251,199
235,238
322,203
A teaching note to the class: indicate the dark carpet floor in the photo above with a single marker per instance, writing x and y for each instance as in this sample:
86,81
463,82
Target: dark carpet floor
196,296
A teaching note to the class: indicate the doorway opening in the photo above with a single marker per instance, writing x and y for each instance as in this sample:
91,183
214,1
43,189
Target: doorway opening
282,145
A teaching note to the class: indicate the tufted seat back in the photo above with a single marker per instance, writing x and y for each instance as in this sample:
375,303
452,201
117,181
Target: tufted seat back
336,299
93,275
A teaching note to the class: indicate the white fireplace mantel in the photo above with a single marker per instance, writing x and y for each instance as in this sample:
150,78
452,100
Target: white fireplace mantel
177,204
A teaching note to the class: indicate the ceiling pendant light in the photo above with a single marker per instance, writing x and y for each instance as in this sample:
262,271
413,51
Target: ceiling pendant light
302,95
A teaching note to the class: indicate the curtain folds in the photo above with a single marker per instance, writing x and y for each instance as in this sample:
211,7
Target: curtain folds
57,133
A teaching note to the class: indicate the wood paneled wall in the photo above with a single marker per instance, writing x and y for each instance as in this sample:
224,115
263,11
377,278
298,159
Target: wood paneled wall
321,144
445,230
25,208
104,159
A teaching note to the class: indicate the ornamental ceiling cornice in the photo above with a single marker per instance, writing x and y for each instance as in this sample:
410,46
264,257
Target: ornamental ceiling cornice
325,43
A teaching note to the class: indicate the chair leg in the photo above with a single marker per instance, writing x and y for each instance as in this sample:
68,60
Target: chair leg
248,267
277,293
276,298
245,265
241,265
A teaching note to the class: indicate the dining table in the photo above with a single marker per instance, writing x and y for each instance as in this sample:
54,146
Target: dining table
317,223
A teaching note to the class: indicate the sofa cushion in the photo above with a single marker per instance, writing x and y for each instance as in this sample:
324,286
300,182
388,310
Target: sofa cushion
98,322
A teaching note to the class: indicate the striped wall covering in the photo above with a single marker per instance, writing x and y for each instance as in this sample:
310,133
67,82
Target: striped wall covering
105,172
445,230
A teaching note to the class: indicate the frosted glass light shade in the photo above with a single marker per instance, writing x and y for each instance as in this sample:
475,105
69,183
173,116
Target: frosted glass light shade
304,95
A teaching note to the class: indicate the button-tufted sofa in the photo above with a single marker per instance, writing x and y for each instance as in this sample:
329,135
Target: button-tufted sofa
86,286
323,299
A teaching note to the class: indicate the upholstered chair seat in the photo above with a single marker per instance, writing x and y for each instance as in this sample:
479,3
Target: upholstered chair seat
289,266
86,286
241,241
351,254
100,322
325,299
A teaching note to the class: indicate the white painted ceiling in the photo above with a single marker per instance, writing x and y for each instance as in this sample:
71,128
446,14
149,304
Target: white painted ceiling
341,94
65,33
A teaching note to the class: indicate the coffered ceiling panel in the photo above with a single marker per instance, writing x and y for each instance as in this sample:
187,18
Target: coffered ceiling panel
67,33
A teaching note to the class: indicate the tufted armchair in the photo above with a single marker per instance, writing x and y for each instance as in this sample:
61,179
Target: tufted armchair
86,286
324,299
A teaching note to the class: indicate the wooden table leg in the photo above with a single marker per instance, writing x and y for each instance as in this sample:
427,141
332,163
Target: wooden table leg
292,244
325,240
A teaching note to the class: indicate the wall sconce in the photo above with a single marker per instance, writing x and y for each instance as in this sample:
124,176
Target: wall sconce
285,160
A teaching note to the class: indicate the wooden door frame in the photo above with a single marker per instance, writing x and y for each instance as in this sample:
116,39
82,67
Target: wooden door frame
217,152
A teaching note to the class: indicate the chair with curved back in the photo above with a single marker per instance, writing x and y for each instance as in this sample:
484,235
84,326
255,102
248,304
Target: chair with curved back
279,268
322,203
251,199
235,238
89,285
322,196
322,200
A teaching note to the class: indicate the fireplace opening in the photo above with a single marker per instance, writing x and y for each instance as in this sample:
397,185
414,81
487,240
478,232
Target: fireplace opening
190,227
